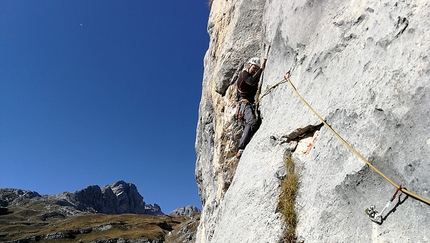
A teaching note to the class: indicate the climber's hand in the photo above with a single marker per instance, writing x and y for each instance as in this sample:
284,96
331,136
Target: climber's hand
263,63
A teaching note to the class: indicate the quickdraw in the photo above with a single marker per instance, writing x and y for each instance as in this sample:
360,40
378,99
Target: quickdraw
371,211
374,215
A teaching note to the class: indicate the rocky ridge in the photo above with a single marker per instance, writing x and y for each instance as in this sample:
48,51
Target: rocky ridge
116,211
187,211
364,67
117,198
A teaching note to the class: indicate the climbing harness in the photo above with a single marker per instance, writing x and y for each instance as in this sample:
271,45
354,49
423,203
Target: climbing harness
373,214
240,108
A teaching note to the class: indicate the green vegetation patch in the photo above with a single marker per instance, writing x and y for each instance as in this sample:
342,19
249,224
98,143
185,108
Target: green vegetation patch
289,188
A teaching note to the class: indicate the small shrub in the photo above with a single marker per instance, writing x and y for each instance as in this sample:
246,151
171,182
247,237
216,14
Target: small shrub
289,187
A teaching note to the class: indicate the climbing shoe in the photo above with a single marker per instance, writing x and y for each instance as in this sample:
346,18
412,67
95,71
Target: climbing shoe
239,153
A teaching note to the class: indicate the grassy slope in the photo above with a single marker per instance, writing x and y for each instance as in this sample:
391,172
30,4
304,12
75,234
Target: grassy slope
24,222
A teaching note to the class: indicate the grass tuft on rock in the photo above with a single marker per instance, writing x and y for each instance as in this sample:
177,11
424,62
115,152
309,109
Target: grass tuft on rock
289,188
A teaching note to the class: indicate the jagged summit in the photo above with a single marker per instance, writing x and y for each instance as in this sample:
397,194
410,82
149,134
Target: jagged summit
117,198
187,211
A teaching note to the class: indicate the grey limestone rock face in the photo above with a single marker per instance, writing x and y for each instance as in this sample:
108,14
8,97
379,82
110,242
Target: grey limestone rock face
129,199
117,198
364,67
187,211
153,209
10,196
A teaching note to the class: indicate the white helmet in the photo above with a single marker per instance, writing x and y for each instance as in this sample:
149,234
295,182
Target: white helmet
254,61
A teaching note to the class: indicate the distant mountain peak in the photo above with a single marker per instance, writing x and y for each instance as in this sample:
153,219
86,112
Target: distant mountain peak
117,198
187,211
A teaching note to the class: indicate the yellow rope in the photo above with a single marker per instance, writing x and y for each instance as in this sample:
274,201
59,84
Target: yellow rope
346,144
268,90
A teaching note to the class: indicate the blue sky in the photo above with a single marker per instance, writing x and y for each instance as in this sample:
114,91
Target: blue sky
96,91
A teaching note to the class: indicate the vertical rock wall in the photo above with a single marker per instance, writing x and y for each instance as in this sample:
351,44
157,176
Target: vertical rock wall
364,67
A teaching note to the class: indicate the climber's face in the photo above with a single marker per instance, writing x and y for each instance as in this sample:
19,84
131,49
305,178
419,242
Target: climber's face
253,69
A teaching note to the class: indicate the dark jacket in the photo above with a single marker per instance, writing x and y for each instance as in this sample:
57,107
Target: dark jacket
247,85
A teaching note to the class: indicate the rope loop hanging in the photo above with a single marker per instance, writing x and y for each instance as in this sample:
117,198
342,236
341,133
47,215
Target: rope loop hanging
398,187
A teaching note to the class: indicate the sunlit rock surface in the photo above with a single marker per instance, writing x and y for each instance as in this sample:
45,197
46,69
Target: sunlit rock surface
364,67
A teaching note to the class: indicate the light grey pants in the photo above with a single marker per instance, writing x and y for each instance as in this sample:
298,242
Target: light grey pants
249,125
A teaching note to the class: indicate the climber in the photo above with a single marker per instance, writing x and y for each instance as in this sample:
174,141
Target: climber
247,85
